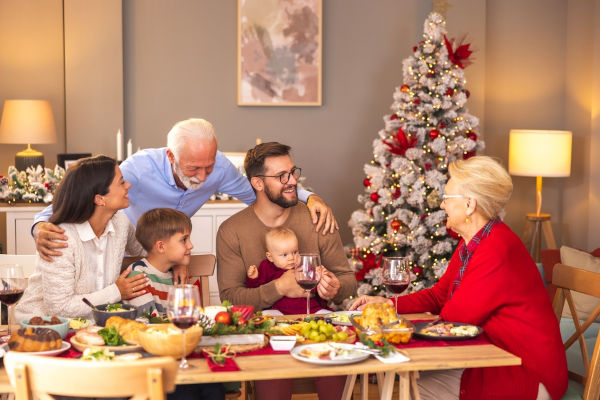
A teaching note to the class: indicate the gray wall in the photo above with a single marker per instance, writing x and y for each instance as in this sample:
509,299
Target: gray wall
536,66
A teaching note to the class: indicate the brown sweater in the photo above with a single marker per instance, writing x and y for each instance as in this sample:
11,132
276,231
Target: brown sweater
241,243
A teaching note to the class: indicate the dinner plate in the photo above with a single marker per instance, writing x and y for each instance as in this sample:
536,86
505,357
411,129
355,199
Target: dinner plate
82,346
353,357
64,347
420,326
335,317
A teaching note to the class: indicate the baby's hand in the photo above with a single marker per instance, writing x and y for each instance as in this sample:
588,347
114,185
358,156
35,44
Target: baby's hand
252,272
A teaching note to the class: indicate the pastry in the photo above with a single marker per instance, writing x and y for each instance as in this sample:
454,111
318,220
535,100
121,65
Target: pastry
127,328
89,338
34,339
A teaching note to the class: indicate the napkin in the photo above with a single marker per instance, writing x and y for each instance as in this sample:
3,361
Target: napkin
393,358
230,365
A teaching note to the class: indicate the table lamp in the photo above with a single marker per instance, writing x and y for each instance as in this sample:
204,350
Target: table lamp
26,122
539,153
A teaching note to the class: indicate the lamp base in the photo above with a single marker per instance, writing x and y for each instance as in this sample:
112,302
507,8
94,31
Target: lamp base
22,162
535,226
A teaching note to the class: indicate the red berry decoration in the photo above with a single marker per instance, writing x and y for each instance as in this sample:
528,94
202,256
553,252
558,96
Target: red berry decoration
468,155
467,93
417,101
434,133
404,88
449,92
374,197
442,125
395,224
431,74
427,166
393,117
397,193
367,182
472,135
417,270
414,48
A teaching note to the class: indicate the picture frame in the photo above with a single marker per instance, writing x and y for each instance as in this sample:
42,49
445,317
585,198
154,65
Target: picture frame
65,160
279,52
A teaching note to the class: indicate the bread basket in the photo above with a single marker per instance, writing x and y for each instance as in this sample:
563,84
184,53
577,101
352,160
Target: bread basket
165,340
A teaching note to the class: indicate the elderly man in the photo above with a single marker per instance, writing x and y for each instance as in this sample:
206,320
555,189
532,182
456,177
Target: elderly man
182,176
241,243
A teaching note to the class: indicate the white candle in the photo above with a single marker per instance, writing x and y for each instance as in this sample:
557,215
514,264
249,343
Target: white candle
138,149
129,148
119,146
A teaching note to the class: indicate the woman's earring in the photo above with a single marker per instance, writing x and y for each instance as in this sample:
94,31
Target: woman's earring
467,220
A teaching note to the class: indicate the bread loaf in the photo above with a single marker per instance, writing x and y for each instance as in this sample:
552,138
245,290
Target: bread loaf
34,339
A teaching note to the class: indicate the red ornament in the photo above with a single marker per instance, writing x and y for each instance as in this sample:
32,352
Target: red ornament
374,197
467,93
434,133
414,48
449,92
431,74
367,182
468,155
395,224
427,166
417,270
472,135
416,101
393,117
442,125
397,193
404,88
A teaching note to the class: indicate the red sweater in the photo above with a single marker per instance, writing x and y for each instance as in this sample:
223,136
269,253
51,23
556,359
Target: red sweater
501,291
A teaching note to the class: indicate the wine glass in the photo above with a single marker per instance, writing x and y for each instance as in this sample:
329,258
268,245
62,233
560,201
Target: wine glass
396,276
12,286
308,274
183,308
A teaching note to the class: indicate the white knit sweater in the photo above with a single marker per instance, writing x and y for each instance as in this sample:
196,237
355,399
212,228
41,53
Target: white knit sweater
57,287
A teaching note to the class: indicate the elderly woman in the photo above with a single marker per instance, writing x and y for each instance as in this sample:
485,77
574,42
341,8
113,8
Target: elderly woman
85,206
491,281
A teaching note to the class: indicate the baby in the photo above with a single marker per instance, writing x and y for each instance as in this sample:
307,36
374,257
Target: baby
282,254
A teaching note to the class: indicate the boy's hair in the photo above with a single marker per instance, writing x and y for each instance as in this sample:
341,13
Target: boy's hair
278,233
160,224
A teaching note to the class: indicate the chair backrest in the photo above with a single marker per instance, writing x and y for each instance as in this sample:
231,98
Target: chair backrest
201,268
568,279
147,378
27,262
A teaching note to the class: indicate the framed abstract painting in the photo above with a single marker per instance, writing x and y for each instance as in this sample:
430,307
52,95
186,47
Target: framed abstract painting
279,52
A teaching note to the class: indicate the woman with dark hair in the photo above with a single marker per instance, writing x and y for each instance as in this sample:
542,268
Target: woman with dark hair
85,206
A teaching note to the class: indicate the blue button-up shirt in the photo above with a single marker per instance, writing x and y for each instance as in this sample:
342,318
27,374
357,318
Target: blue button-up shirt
152,185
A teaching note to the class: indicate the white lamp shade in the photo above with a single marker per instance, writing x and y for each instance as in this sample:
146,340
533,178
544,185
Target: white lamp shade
27,122
539,153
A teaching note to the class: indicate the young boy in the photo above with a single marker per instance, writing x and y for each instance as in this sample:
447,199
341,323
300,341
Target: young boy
282,255
165,235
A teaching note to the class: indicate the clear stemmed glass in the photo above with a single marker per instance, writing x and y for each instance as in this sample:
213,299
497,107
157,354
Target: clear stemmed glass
12,286
396,275
183,309
308,274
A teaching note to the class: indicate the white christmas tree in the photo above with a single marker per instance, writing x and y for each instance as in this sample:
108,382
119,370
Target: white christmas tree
429,128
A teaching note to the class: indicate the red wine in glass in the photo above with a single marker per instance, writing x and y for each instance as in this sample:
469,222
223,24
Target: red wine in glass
183,309
308,274
396,276
308,284
184,322
11,296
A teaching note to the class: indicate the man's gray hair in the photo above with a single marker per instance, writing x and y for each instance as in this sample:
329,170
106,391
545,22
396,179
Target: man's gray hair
189,130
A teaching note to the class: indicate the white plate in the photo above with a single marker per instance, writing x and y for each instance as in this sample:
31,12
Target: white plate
64,347
335,321
127,347
354,357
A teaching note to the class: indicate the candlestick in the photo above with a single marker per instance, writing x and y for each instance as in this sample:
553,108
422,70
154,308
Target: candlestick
119,146
129,148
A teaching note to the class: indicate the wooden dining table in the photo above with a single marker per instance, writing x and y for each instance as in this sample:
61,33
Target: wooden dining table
284,366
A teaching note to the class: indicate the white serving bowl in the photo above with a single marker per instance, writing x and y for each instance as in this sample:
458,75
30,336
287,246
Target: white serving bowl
283,343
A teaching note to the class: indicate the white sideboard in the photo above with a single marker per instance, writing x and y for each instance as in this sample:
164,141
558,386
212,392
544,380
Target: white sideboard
205,224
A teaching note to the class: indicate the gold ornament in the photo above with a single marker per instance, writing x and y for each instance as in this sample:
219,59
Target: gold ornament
434,199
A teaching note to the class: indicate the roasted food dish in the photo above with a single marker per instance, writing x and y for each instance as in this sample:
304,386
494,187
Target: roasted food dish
450,329
34,339
127,328
379,320
54,320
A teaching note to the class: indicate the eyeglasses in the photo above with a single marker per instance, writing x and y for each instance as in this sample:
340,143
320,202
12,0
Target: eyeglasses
450,196
284,177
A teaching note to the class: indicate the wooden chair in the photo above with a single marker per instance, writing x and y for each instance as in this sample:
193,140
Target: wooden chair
568,279
39,377
201,267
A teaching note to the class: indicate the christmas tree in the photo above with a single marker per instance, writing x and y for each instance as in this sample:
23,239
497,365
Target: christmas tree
429,128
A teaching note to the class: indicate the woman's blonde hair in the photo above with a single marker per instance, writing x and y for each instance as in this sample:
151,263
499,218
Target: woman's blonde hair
485,180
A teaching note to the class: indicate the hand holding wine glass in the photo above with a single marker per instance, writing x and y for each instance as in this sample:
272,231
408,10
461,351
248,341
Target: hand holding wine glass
396,275
12,286
183,309
308,274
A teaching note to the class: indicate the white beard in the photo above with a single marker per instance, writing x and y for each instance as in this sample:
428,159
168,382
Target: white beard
189,183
